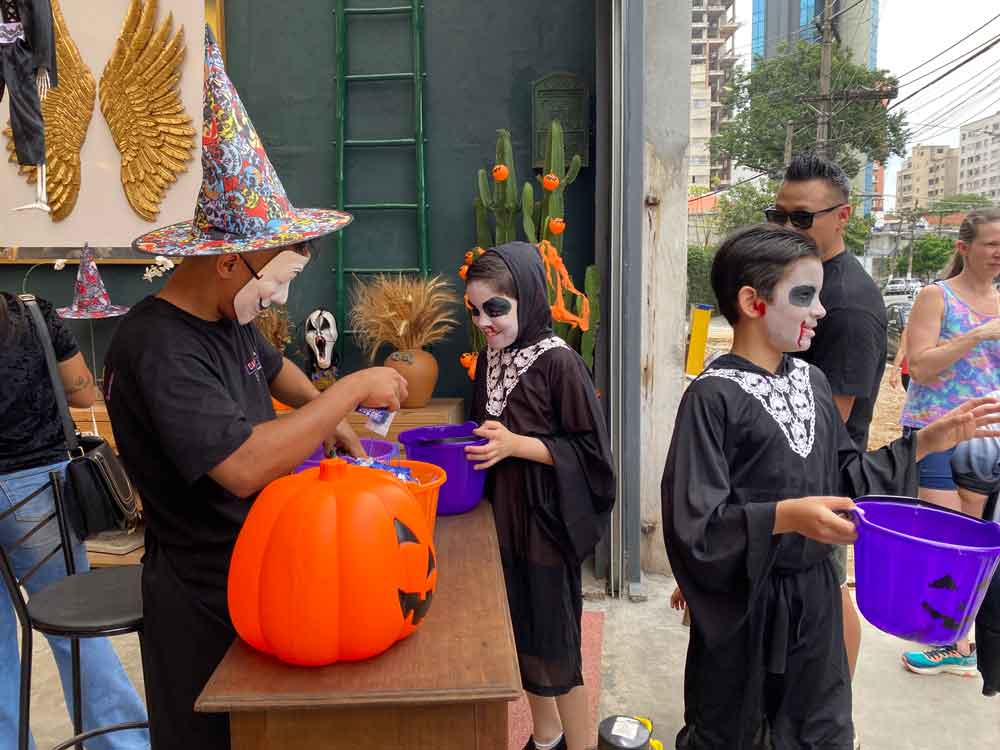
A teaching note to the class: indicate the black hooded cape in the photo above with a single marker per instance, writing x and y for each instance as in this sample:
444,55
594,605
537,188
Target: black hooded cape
766,653
548,518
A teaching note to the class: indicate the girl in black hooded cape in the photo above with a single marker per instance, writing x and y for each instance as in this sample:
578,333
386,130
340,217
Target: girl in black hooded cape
551,480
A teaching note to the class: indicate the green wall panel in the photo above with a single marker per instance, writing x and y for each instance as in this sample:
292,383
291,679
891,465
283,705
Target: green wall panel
481,59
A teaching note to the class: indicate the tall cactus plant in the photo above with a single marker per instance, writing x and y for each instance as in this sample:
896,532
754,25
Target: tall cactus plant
502,199
552,205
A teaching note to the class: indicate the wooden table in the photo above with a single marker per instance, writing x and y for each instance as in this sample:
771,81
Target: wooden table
438,411
446,687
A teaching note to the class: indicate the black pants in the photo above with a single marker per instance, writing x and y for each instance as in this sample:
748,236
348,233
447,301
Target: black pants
183,643
17,71
988,625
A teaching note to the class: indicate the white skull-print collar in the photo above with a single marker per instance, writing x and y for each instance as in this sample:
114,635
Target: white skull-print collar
787,398
505,367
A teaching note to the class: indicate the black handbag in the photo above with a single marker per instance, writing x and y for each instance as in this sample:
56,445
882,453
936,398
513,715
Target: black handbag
98,494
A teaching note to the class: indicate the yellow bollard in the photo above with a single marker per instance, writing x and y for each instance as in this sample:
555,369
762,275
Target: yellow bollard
701,315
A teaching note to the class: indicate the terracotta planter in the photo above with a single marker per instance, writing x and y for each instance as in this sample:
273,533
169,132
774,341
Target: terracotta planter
421,372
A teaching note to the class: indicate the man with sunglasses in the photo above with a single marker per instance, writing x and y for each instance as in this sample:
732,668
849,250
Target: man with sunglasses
850,342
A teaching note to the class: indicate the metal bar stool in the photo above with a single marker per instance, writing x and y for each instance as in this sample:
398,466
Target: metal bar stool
94,604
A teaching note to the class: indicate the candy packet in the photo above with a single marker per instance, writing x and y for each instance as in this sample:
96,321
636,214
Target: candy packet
399,472
379,420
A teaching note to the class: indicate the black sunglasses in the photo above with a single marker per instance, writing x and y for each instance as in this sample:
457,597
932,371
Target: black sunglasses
799,219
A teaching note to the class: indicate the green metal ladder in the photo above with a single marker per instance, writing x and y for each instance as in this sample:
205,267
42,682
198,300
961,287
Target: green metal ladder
416,13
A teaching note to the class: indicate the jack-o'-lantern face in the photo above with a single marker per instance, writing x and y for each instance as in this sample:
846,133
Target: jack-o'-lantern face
417,591
334,563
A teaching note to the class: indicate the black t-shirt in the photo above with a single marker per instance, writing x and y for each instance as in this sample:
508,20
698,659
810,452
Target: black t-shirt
850,342
183,394
31,432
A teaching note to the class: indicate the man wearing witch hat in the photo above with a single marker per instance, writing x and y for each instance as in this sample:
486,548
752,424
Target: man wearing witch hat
188,383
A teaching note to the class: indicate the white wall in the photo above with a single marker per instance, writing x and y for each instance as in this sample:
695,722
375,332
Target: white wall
664,267
102,215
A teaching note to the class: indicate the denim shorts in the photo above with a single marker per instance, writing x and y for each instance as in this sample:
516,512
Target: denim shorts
934,468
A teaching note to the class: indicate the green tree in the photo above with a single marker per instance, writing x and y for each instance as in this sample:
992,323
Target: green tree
857,231
744,204
930,254
767,97
699,267
960,202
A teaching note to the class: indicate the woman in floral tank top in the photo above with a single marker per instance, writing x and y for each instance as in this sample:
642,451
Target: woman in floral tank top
953,338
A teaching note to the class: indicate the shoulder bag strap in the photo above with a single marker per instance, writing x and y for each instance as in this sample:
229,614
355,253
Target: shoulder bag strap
42,330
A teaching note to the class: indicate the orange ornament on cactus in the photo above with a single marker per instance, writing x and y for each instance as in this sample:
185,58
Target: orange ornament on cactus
557,225
469,361
501,173
335,563
550,182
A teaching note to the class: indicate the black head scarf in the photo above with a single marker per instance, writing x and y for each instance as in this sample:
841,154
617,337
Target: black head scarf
534,316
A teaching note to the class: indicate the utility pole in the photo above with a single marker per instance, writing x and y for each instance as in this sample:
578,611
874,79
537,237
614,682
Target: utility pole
913,226
825,72
825,99
789,137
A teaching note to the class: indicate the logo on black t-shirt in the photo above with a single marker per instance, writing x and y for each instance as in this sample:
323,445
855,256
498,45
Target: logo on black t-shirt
253,364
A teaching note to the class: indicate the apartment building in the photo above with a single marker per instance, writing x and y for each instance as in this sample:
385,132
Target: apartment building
979,168
929,174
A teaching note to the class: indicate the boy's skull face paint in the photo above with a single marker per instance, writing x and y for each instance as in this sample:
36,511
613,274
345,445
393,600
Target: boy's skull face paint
494,314
269,285
792,315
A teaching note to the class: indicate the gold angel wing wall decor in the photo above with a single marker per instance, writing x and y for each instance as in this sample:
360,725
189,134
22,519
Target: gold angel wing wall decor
66,111
142,105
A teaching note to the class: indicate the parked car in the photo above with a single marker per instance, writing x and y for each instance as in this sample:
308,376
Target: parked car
897,313
894,286
914,285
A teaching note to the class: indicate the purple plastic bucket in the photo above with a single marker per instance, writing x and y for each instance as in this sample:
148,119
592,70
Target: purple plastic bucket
380,450
463,489
922,572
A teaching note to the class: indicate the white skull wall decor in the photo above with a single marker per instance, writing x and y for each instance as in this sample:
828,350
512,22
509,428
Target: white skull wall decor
321,336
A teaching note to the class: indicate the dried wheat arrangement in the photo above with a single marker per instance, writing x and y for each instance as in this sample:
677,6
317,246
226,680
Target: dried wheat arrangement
405,312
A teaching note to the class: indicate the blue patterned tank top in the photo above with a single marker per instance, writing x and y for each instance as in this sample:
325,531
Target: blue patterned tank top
976,374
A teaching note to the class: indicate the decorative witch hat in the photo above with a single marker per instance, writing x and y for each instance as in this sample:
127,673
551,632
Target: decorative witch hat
90,298
242,206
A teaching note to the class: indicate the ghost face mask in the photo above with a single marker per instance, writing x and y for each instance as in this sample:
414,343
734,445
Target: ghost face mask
321,335
494,314
791,316
268,286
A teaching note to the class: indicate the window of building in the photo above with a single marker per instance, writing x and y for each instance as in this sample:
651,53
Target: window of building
758,27
697,50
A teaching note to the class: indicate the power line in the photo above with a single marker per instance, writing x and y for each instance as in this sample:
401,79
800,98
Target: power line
946,74
946,64
948,49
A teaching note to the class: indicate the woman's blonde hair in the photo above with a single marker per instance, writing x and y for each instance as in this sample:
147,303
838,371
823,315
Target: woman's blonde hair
967,234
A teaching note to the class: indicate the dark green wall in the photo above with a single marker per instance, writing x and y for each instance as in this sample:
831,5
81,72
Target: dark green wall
480,59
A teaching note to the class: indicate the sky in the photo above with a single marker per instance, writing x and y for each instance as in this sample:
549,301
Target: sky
910,32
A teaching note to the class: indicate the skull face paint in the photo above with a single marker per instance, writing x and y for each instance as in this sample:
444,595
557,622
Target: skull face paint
269,285
494,314
795,309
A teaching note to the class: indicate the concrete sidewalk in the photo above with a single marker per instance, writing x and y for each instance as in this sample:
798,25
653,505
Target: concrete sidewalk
643,668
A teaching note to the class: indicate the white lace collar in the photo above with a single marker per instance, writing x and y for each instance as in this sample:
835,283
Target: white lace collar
504,369
787,398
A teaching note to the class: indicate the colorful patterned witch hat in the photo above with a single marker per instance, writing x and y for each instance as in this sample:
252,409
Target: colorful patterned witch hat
90,298
242,206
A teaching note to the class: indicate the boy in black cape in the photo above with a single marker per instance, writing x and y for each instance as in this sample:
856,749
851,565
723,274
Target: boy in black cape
753,500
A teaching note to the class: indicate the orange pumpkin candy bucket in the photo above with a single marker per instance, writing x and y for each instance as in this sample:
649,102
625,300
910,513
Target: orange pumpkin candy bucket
333,564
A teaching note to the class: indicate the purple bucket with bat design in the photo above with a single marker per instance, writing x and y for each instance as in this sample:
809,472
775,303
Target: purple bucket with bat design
921,571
